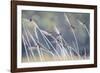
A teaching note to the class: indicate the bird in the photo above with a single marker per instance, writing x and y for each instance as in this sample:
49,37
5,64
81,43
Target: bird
73,27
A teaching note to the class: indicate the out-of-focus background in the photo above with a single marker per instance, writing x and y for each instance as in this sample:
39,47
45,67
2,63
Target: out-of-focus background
5,36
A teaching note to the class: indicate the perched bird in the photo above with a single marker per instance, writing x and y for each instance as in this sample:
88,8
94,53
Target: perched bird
73,27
